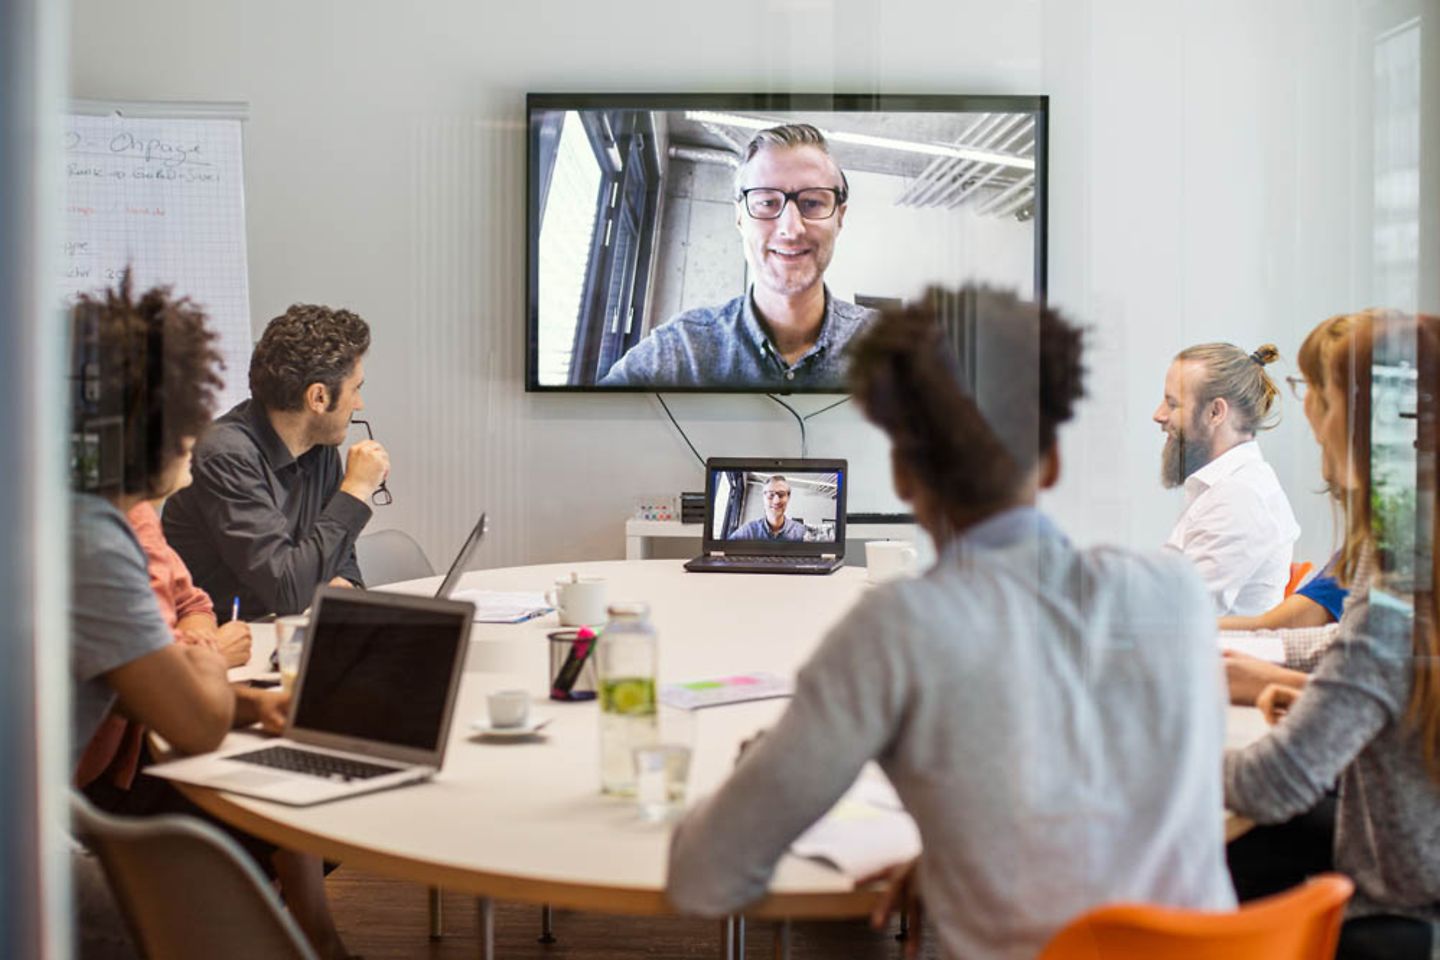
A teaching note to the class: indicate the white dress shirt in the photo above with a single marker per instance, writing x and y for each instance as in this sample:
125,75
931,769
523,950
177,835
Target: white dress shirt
1238,530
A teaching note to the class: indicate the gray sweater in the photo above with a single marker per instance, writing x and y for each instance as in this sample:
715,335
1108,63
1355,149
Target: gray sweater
1051,718
1350,725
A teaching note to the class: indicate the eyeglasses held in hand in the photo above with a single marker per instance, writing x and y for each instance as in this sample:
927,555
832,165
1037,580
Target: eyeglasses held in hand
814,203
381,497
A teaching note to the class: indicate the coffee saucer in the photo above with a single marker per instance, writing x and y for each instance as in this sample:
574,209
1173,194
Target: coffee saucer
532,726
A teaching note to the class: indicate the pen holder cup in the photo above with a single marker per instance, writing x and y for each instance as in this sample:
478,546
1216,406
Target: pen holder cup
569,680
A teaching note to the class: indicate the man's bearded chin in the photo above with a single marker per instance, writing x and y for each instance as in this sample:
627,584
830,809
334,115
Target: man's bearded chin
1184,453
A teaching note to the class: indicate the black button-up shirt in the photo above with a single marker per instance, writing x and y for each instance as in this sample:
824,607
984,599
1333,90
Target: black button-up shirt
260,524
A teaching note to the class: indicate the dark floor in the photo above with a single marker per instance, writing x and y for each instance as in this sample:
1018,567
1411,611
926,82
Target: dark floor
383,919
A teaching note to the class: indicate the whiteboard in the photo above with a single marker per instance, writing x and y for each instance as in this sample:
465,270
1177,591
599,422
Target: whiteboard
166,197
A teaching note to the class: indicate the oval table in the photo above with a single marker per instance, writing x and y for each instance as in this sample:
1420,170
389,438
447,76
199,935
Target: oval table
524,820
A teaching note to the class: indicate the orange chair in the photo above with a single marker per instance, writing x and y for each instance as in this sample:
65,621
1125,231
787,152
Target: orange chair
1298,573
1299,924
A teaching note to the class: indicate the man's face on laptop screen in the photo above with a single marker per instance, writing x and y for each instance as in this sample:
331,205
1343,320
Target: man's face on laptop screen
766,506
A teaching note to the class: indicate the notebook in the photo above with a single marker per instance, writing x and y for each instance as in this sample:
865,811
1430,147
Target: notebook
372,705
773,516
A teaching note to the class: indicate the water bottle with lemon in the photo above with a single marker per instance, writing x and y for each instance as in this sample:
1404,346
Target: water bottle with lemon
625,661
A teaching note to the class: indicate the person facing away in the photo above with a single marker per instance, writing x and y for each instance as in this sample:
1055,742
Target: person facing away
1050,716
1368,717
146,382
272,515
1237,526
774,525
787,331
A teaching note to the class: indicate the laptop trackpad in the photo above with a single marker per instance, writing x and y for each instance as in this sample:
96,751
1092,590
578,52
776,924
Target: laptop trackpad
242,780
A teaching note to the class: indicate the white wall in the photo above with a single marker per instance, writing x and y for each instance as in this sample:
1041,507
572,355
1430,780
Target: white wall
1203,186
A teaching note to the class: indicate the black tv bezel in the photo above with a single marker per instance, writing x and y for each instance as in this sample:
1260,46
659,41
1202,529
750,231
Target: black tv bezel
837,102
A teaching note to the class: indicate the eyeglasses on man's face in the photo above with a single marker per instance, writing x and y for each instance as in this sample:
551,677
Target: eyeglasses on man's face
777,494
1297,386
382,496
814,203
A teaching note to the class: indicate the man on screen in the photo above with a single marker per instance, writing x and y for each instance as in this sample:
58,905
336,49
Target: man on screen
788,331
774,525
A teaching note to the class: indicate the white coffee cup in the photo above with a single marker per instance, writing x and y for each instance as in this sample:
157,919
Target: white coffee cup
508,708
890,559
580,601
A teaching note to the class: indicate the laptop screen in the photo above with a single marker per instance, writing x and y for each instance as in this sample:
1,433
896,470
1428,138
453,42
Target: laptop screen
775,506
379,671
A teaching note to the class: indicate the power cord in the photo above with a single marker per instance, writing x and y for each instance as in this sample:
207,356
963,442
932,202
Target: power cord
799,419
664,406
804,443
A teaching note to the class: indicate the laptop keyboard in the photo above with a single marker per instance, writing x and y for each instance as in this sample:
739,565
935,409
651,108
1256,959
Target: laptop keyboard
324,765
762,561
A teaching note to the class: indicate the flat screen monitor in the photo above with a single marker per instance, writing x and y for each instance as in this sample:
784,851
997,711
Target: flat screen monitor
667,252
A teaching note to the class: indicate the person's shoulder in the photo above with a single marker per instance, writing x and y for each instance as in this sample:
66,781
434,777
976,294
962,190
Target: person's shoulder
102,534
853,312
699,321
229,436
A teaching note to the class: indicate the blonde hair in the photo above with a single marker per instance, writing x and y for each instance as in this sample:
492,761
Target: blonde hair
1239,378
787,137
1341,351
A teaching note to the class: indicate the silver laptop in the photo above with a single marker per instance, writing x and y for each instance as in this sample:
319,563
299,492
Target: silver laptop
773,516
372,705
462,559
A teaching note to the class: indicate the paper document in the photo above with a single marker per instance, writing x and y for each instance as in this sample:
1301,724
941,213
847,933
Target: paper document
1264,644
866,831
494,606
719,691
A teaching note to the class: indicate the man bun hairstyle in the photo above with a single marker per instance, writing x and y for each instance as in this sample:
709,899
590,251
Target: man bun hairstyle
787,137
145,378
1239,378
304,345
971,386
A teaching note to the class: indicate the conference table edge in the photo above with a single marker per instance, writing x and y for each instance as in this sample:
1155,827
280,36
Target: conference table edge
832,905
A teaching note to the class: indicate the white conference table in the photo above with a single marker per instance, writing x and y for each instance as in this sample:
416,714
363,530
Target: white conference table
524,820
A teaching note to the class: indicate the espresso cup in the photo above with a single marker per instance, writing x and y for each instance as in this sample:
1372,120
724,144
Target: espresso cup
889,559
579,601
508,708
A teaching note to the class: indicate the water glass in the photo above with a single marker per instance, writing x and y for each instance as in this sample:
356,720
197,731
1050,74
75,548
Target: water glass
662,771
290,648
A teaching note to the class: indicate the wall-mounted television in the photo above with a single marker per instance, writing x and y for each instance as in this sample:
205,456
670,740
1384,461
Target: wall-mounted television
660,258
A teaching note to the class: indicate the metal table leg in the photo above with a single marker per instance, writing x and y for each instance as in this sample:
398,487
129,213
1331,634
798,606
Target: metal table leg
437,918
782,940
732,938
547,924
487,927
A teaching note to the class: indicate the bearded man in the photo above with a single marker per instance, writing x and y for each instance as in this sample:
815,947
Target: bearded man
1237,526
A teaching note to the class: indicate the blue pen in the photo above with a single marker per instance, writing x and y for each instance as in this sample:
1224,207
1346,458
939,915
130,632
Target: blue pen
235,609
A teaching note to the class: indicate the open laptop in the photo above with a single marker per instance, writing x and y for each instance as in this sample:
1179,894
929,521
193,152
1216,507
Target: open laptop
773,516
462,559
371,709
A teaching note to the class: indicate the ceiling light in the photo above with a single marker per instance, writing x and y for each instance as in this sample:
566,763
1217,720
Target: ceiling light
866,140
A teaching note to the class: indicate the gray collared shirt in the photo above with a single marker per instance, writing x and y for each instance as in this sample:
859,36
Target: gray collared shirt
727,346
1051,717
260,524
759,529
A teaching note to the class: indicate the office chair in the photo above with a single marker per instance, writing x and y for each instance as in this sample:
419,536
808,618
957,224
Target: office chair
390,556
1300,924
187,890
